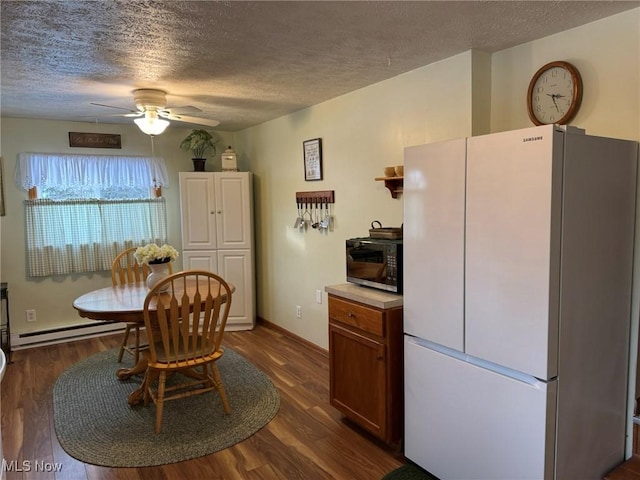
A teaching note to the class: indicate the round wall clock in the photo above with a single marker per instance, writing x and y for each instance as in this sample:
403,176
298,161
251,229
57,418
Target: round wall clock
555,93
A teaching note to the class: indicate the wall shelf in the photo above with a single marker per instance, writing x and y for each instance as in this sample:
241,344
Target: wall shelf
394,184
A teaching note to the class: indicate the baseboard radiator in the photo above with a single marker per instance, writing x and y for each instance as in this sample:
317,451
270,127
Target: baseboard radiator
63,334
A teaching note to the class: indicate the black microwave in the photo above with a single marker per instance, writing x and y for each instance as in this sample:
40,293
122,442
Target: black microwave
375,262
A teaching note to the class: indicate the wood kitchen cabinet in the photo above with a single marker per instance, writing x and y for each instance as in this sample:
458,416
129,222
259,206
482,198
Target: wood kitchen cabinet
366,360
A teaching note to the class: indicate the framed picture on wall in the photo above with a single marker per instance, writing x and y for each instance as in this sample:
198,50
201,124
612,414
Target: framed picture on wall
312,159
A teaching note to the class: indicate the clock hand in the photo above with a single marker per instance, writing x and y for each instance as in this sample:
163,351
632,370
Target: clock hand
553,97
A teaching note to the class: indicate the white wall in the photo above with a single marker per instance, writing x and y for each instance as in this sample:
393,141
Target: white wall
607,54
362,132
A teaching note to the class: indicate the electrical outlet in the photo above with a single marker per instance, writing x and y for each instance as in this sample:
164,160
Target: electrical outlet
31,315
298,311
318,296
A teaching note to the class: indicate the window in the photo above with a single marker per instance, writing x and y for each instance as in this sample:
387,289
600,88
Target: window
89,208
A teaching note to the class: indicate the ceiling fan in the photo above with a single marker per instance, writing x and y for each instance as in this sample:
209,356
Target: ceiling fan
154,116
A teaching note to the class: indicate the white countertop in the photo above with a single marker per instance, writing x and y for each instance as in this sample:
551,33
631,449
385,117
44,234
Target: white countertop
366,295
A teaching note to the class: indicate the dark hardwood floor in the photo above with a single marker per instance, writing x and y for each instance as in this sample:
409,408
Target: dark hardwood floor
308,439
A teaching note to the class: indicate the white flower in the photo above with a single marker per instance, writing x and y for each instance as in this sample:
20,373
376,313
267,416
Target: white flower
152,253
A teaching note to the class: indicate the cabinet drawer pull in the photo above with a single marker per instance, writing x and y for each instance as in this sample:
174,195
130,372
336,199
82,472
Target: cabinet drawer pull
350,315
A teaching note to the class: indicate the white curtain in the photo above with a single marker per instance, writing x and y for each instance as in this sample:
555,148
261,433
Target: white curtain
85,236
75,229
44,170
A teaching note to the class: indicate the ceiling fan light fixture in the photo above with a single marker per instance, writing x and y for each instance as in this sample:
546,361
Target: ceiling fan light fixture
151,124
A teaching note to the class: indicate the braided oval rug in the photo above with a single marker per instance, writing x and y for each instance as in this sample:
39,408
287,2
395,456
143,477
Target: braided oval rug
95,424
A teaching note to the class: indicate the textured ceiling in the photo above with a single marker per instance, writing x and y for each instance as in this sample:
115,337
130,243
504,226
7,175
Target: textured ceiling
244,63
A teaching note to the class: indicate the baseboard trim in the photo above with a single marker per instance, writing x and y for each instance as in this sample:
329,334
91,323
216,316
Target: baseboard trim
303,341
20,341
64,334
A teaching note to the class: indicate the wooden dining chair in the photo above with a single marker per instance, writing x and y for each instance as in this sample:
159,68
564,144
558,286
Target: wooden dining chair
185,325
126,269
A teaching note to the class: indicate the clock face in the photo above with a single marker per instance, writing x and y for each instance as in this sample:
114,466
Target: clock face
554,94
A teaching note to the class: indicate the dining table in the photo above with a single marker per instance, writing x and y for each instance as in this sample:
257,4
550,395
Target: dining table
123,303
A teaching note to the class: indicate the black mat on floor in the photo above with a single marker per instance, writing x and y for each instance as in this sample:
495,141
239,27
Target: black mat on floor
408,472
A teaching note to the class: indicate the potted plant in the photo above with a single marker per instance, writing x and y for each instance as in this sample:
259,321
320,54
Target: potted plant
199,142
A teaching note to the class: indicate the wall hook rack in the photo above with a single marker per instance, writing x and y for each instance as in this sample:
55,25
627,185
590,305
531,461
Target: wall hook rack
317,196
317,211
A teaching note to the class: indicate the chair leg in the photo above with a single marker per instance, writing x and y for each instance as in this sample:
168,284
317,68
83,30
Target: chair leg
150,377
136,352
160,400
124,342
220,388
207,373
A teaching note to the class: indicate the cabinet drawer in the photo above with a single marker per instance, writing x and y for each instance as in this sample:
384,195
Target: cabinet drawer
359,316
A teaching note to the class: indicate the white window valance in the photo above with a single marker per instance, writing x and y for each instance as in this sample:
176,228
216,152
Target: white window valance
44,170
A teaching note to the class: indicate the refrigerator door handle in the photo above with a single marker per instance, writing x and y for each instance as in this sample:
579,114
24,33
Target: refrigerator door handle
484,364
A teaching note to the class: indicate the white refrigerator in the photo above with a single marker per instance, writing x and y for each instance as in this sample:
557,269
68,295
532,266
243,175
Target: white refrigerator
518,256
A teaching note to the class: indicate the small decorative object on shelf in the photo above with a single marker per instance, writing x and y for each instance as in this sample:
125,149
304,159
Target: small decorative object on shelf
158,259
199,142
229,161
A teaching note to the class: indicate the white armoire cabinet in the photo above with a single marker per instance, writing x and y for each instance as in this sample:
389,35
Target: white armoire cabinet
217,234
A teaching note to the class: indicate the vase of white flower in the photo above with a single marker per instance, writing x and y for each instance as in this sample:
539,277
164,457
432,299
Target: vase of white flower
158,259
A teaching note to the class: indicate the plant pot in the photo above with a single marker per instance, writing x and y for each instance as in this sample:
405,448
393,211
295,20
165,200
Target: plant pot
198,164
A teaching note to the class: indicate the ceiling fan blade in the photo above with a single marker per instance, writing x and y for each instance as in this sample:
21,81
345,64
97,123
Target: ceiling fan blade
196,120
183,110
151,100
108,115
112,106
